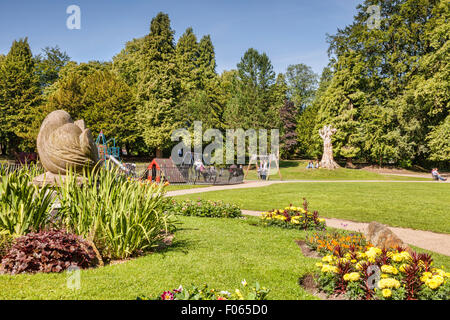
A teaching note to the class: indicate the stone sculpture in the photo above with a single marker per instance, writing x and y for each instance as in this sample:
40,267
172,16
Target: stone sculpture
64,144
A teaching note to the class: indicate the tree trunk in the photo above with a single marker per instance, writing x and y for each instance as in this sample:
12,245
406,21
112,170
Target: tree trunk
159,153
349,163
327,158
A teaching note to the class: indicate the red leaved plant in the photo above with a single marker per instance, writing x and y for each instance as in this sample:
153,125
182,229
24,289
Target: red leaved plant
48,251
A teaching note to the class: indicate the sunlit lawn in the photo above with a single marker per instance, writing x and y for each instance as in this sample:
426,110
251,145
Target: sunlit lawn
424,206
219,252
296,170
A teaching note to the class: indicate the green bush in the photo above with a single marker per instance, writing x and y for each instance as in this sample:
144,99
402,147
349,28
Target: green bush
24,207
121,217
206,208
6,241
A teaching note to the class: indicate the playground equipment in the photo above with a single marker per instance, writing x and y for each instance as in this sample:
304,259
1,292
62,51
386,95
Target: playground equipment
107,147
107,150
265,164
163,170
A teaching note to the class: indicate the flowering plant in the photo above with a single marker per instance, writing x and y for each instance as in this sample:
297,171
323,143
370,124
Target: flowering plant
382,274
205,293
294,218
206,208
325,242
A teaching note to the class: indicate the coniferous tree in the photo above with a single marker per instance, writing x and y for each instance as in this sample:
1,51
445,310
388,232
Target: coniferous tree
158,86
19,96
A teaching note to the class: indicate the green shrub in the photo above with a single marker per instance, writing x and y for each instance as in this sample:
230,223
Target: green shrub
206,208
6,241
122,217
24,207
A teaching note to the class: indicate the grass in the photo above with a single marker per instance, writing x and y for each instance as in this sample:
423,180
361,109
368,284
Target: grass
173,187
296,170
220,252
423,206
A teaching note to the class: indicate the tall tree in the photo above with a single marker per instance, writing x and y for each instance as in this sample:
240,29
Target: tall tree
309,142
95,93
302,84
19,96
159,86
253,103
49,64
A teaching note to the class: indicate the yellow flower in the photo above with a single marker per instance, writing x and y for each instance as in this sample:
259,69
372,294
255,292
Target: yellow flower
328,258
373,252
353,276
389,269
402,267
426,276
386,293
439,272
388,283
319,264
328,268
434,282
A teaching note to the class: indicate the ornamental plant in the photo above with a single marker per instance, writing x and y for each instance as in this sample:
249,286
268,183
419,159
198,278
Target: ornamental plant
193,292
325,242
24,207
122,217
382,274
293,218
48,251
205,208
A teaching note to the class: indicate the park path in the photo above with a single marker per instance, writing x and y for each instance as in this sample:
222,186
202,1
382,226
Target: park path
436,242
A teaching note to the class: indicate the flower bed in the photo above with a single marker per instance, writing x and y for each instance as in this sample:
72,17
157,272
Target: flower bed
206,208
205,293
392,274
325,242
294,218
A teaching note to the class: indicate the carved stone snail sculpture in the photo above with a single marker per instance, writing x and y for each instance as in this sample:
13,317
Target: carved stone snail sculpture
63,143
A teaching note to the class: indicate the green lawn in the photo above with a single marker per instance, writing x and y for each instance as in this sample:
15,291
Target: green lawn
296,170
423,206
220,252
173,187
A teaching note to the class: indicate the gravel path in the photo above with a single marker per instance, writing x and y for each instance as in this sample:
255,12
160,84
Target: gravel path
436,242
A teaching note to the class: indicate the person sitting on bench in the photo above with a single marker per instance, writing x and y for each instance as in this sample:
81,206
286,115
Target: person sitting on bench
436,175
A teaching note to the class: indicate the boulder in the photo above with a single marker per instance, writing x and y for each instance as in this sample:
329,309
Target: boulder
382,237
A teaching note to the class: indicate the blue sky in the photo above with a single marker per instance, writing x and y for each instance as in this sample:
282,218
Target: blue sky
289,31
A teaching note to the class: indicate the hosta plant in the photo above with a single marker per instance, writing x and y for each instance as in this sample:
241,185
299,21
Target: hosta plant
48,251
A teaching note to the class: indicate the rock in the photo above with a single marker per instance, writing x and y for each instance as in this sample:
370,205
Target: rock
382,237
62,145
